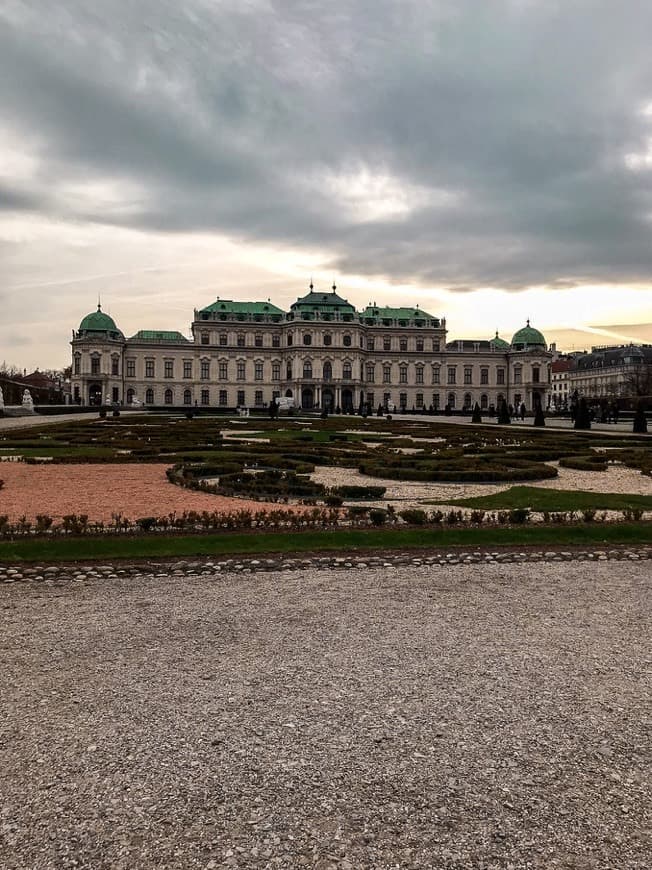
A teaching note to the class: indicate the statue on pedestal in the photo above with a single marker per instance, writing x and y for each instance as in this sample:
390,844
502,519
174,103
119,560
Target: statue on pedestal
28,402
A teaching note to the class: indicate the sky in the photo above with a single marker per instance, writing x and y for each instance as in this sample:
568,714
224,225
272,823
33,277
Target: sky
488,160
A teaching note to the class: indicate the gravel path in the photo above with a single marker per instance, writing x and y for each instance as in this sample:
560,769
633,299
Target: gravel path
415,717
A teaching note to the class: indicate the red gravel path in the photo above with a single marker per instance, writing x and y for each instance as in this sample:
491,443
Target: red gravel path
102,490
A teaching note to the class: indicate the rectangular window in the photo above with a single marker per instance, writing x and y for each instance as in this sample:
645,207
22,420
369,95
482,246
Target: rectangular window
205,397
276,341
468,375
370,344
205,370
402,375
386,399
95,365
402,344
149,368
77,365
131,368
187,368
258,340
387,343
240,372
387,374
258,372
241,397
370,400
115,363
517,375
419,345
535,375
168,368
222,397
436,375
402,400
484,376
500,376
452,374
223,370
115,395
435,401
419,374
258,397
276,371
224,339
204,338
419,401
435,345
241,340
370,373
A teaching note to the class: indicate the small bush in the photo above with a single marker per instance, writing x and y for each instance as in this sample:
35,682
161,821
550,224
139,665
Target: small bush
477,517
588,514
378,516
518,516
146,524
359,492
436,517
454,517
632,514
413,516
334,500
2,483
43,522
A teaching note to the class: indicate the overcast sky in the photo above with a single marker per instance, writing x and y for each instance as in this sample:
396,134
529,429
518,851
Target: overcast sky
490,160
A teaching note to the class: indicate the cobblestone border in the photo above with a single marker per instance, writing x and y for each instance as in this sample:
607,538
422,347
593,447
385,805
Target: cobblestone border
55,574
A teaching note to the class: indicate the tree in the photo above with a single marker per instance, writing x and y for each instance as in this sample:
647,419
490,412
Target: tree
503,412
582,416
477,416
640,420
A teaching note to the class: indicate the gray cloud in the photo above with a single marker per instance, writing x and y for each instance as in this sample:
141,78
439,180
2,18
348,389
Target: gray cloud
233,117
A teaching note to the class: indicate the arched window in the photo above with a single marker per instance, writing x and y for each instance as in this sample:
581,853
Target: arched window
346,341
451,400
467,401
484,401
346,371
149,396
167,397
130,395
328,339
307,338
307,369
328,371
187,397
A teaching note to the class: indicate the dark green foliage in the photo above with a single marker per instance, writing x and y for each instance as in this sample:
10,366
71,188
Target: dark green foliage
640,420
359,492
587,462
582,415
476,417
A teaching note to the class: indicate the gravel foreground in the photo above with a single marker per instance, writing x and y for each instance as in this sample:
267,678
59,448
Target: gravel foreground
455,716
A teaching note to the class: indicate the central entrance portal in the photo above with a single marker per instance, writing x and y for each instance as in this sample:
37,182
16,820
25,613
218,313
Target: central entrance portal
347,400
307,398
327,399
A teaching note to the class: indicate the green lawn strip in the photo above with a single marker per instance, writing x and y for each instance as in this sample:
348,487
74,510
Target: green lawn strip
540,499
341,541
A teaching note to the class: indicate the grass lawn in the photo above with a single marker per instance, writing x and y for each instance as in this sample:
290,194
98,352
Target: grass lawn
345,543
539,499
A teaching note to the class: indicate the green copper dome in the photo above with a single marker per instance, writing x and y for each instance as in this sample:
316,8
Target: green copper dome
527,337
499,343
98,321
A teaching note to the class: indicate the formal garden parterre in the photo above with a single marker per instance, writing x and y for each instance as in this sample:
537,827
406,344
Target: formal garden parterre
165,474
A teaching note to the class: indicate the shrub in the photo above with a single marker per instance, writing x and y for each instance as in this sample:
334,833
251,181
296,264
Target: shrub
2,483
588,514
633,513
359,492
476,517
334,500
454,517
588,462
4,523
43,522
413,516
145,524
436,517
378,516
519,515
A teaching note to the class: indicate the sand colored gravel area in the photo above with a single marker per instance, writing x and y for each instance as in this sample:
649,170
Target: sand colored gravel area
133,490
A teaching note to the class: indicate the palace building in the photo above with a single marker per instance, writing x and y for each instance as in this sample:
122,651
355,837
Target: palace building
322,353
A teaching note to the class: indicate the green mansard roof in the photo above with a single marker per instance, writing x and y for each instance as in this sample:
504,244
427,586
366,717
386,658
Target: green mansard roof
158,335
383,312
228,306
323,302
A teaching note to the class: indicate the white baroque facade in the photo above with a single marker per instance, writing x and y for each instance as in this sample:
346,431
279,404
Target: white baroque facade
322,353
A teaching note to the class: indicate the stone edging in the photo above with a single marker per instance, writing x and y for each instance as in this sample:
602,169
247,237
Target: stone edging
56,574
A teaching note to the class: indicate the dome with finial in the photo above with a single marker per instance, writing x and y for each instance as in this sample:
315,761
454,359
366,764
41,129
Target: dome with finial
315,304
499,343
100,324
528,338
